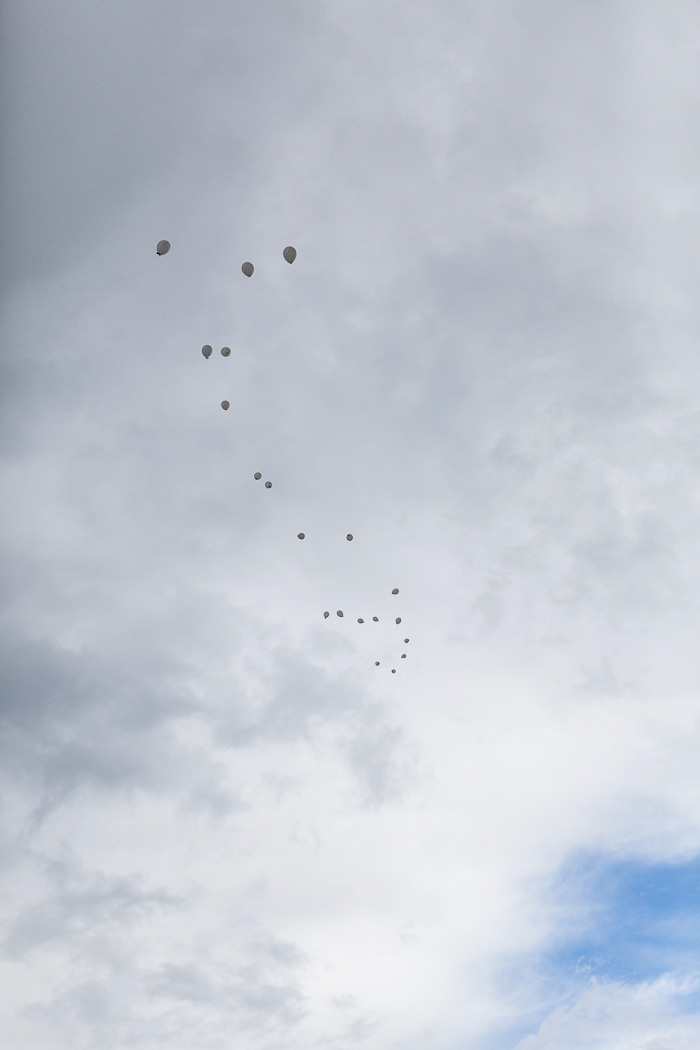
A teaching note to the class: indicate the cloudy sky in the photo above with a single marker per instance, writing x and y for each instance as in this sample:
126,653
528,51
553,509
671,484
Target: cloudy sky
223,825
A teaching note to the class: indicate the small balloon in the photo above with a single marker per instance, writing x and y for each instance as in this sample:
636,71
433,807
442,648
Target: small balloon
268,484
398,619
326,615
290,253
360,620
376,663
301,535
393,670
206,350
248,269
225,406
406,641
257,475
395,590
225,351
340,612
376,619
163,248
349,536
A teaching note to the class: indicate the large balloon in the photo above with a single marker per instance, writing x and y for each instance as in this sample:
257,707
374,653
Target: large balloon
225,406
206,350
163,248
248,269
225,351
290,254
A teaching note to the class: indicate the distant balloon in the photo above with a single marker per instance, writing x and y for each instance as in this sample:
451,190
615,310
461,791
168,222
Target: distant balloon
340,612
360,620
376,619
257,475
248,269
290,254
301,535
398,619
393,670
225,351
403,656
395,590
163,248
326,615
225,405
376,663
349,536
406,641
268,484
206,350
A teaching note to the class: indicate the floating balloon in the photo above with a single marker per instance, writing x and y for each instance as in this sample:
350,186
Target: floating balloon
163,248
360,620
398,619
393,670
403,656
268,484
290,253
376,619
340,612
396,589
376,663
349,536
326,615
257,475
206,350
225,406
248,269
301,535
225,351
406,641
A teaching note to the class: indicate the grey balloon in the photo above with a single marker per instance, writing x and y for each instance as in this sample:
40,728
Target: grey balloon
248,269
398,619
376,619
225,351
290,253
395,590
360,620
268,484
406,641
257,475
163,248
207,351
301,536
376,663
225,405
349,536
339,612
403,656
326,615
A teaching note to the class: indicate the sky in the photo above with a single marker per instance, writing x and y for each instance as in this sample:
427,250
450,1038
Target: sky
222,824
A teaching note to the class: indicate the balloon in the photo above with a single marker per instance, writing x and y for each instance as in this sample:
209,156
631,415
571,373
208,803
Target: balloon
268,484
403,656
326,615
395,590
248,269
406,641
340,612
398,619
376,663
257,475
393,670
225,406
225,351
349,536
376,619
163,248
301,536
290,253
360,620
206,350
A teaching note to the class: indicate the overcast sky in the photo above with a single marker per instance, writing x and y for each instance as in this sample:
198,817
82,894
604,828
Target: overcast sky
223,825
